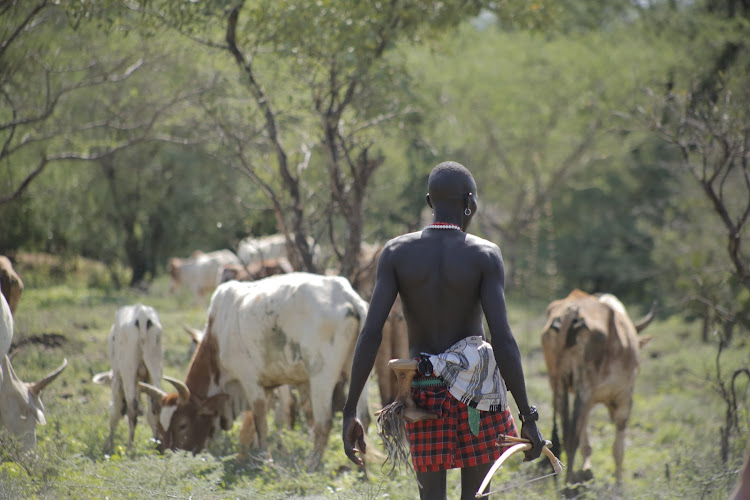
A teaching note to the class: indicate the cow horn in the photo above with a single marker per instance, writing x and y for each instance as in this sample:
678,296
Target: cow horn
153,391
195,334
642,324
37,387
182,390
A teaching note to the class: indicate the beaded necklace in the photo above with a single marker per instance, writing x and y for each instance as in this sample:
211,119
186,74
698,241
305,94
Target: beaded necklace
443,225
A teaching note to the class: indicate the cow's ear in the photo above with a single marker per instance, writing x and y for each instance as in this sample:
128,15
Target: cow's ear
643,340
212,405
39,415
33,411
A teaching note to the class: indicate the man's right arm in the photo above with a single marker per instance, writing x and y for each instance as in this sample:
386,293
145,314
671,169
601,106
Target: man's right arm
366,351
368,343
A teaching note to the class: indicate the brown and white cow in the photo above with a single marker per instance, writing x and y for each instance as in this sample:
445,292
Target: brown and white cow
21,405
591,348
201,272
135,355
11,285
297,329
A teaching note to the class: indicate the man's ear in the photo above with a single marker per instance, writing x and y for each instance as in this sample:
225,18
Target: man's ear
427,197
471,202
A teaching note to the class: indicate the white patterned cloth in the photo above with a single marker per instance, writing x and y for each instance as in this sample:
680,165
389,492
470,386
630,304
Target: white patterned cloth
470,372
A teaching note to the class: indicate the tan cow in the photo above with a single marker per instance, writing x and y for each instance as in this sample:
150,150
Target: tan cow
10,284
591,348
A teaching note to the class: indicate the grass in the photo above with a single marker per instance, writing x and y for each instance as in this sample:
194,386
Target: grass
672,446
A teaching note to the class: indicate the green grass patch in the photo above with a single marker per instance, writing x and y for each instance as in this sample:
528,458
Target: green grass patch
672,445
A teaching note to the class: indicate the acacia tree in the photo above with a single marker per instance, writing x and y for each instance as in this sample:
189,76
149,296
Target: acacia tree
707,122
324,91
532,117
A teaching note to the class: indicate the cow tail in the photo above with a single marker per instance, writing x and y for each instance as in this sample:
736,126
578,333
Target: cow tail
556,448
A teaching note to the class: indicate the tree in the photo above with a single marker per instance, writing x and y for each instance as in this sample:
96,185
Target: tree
47,115
325,92
707,122
534,118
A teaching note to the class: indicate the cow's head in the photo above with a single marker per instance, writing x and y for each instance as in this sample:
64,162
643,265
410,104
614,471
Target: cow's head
21,406
186,422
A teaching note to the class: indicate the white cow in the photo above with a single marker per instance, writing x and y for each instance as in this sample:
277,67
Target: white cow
21,405
252,250
6,326
135,355
297,328
201,272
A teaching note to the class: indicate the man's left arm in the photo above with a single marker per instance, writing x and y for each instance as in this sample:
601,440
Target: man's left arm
505,347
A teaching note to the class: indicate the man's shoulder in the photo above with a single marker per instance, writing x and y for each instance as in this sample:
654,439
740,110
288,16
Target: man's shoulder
403,239
481,244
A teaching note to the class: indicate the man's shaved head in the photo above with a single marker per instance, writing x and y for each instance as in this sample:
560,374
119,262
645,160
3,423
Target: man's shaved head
450,182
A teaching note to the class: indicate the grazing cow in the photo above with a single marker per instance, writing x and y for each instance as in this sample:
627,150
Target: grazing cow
11,285
252,250
255,270
21,405
286,402
297,328
591,348
395,341
201,272
135,355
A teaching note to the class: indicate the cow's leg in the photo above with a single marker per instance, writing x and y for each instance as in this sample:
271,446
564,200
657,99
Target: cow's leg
286,407
132,413
575,427
620,413
116,411
259,410
248,433
585,443
570,437
305,404
320,398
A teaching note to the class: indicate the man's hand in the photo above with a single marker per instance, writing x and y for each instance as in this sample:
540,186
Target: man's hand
354,439
530,432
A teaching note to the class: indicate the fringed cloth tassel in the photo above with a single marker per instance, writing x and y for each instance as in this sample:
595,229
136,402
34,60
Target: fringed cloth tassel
392,430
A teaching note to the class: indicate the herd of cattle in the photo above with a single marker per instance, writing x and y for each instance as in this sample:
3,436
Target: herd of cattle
269,327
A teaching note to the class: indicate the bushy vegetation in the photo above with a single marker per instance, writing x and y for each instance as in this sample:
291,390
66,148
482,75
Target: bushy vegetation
673,442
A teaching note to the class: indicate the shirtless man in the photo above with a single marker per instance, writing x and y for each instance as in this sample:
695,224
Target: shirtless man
446,278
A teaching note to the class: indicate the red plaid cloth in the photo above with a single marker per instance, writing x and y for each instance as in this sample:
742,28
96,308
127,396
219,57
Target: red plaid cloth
446,442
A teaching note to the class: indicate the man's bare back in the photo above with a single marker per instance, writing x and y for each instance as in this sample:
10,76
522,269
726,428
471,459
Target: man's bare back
438,274
446,279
